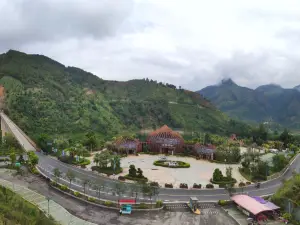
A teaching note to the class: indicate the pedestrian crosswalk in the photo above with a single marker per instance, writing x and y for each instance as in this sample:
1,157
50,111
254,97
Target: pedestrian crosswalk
177,206
206,205
210,212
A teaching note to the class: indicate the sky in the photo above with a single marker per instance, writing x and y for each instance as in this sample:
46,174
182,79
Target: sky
191,43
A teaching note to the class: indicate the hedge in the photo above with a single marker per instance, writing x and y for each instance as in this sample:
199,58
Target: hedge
232,181
136,178
180,164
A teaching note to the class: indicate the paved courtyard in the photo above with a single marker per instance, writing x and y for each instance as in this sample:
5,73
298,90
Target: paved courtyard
201,171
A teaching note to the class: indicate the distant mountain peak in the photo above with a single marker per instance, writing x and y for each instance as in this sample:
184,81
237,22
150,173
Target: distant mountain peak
297,87
227,81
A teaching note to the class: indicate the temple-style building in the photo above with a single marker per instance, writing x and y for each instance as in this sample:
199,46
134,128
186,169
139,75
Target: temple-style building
165,141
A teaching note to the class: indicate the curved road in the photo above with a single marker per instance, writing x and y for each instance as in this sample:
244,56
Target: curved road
47,164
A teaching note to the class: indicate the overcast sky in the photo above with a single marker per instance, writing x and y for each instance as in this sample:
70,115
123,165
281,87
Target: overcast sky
192,43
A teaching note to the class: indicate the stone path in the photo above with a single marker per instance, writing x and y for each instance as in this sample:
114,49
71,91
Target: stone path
59,213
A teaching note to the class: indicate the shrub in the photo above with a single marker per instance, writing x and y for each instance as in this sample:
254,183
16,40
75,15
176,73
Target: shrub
159,204
287,216
242,184
76,193
108,203
154,184
198,186
222,202
142,206
121,178
209,186
53,183
168,185
33,170
183,185
90,199
248,182
63,187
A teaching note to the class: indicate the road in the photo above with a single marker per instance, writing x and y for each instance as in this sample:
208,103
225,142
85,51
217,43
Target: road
47,164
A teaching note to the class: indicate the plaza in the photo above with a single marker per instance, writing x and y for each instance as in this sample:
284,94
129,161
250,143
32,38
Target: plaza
200,171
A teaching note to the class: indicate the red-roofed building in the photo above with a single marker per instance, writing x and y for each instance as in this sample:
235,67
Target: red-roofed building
165,141
254,208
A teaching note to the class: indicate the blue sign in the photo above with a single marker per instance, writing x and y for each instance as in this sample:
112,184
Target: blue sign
63,153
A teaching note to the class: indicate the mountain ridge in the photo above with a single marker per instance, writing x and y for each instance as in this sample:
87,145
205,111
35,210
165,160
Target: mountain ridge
44,96
264,103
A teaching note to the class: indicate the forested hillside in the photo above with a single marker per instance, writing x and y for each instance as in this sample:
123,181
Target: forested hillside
268,103
43,96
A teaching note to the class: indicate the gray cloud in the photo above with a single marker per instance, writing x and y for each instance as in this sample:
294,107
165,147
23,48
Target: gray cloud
184,44
27,21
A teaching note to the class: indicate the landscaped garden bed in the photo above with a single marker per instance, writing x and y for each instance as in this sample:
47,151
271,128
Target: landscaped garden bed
135,174
223,181
176,164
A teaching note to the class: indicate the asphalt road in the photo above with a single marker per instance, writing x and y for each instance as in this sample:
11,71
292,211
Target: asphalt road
47,164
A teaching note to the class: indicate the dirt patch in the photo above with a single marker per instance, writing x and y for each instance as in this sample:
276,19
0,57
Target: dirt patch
90,92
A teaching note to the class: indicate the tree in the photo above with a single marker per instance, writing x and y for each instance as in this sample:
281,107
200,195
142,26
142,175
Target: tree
155,191
97,159
84,183
57,173
13,158
43,142
135,188
70,176
119,189
10,141
132,171
140,173
285,137
148,190
229,172
115,160
279,162
91,140
217,175
32,158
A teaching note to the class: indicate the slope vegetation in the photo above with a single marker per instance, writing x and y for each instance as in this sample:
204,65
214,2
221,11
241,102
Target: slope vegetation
44,96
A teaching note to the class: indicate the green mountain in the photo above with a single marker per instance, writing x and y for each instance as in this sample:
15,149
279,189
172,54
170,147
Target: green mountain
268,103
43,96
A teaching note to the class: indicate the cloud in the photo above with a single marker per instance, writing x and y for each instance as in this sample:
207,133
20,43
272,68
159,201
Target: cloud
27,21
190,43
